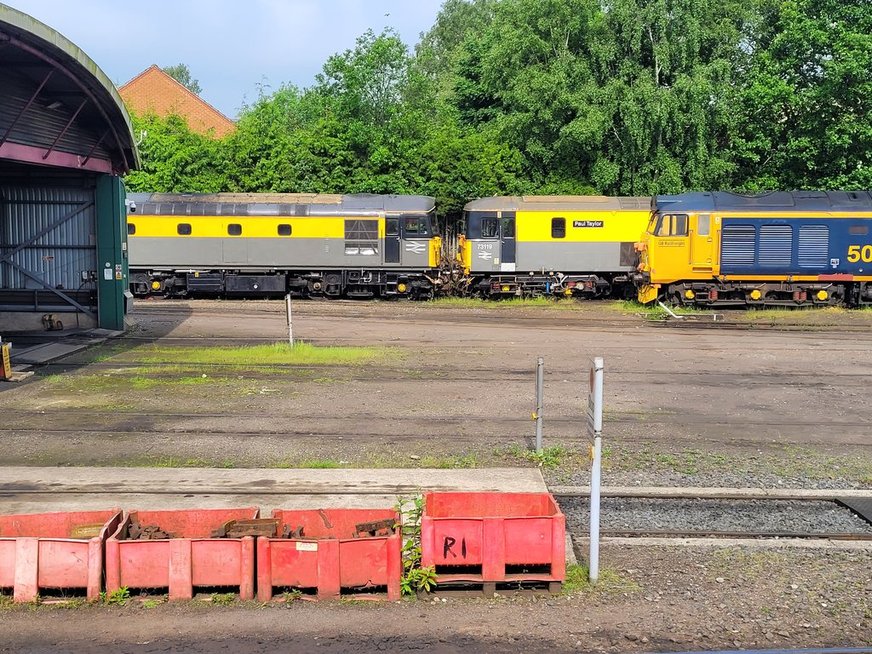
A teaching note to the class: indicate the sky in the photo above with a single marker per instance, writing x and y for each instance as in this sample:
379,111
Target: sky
232,47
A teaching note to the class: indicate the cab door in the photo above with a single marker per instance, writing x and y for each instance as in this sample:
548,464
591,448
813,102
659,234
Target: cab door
508,249
392,239
701,254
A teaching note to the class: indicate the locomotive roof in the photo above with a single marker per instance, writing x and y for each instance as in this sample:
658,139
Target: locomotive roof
265,204
772,201
559,203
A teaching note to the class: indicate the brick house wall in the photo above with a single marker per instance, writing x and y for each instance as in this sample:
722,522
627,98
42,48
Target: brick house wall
153,91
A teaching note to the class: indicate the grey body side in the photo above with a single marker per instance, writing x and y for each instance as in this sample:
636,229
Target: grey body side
266,254
572,257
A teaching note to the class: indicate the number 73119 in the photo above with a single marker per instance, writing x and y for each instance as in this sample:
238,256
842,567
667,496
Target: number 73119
860,253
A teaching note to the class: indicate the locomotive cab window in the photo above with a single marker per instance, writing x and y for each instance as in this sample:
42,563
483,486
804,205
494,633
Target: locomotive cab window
131,229
490,227
672,225
234,229
183,229
703,224
392,227
508,228
284,229
558,228
416,227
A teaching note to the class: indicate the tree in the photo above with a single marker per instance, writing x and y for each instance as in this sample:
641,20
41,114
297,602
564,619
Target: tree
806,100
175,159
182,74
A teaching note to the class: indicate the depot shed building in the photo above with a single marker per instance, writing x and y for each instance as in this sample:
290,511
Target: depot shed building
65,140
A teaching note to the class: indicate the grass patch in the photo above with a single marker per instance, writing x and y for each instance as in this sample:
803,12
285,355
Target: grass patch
550,457
564,304
260,355
610,581
320,464
173,462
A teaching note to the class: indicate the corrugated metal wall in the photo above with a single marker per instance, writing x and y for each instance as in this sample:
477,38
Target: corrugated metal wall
62,254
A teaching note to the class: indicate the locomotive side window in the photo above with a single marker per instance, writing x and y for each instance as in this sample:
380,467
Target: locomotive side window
490,227
392,226
234,229
284,229
703,225
131,229
558,228
361,237
183,229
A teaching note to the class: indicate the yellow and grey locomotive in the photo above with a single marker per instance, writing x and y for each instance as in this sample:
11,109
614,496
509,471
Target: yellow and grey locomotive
552,245
270,244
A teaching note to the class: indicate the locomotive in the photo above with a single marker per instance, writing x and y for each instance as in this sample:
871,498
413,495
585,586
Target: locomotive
780,248
269,244
552,245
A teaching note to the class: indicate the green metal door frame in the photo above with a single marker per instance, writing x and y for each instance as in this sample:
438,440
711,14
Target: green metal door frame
112,273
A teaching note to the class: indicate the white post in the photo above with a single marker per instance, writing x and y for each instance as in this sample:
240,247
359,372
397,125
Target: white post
595,426
290,320
540,392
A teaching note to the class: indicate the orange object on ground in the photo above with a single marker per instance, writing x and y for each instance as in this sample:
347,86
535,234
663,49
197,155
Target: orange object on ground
54,550
493,537
330,555
190,558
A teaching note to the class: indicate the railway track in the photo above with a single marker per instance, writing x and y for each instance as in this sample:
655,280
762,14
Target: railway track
689,517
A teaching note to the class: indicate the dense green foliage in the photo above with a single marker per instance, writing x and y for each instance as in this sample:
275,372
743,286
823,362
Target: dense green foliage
559,96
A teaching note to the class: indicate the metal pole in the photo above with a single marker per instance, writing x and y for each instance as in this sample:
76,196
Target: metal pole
595,477
540,392
290,320
595,427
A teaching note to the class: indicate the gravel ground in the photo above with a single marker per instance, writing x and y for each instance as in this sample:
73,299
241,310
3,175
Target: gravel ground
710,479
770,516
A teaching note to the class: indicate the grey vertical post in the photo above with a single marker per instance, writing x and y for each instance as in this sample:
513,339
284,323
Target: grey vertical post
595,428
540,392
290,319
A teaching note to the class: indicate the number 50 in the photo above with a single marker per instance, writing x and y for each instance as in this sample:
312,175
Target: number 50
856,253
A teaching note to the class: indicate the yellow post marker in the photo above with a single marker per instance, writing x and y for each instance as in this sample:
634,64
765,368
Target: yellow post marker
5,363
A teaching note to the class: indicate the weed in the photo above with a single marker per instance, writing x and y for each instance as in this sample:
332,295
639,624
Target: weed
118,597
319,464
292,595
258,355
549,457
223,599
415,577
6,601
578,581
508,303
151,603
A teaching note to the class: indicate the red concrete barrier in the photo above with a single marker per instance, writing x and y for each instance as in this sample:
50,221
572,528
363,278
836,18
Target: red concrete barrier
190,558
54,550
328,557
493,537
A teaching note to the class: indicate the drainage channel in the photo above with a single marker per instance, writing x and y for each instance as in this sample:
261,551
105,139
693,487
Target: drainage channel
718,518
